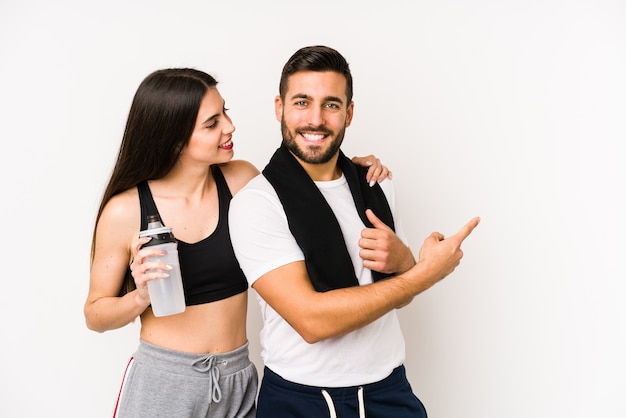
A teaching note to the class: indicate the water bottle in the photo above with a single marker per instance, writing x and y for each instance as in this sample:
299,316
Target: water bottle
166,295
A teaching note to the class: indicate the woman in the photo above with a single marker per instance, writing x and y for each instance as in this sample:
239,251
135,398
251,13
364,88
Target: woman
175,159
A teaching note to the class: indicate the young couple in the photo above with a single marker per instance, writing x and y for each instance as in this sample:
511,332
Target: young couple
316,235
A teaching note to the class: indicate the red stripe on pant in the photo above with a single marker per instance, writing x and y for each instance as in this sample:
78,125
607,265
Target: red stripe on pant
119,395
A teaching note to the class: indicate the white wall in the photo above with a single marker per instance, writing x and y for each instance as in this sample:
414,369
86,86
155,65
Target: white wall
511,110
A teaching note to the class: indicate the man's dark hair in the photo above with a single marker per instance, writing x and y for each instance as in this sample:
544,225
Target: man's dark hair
316,58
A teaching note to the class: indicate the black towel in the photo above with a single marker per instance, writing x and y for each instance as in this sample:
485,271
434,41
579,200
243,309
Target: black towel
313,223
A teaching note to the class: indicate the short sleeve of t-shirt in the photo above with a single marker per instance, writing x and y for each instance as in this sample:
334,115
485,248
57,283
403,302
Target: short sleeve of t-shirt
259,230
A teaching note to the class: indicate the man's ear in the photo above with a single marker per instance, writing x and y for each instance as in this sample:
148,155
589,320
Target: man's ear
278,108
349,113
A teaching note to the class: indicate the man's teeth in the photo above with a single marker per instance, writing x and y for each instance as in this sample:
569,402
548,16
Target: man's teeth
313,137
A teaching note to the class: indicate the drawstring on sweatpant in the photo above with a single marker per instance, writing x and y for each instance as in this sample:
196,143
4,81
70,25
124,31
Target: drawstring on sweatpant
208,364
329,402
331,406
361,403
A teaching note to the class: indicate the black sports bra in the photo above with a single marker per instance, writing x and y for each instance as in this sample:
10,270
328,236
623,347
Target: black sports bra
209,269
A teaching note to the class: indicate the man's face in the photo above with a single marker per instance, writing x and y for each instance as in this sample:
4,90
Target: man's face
314,115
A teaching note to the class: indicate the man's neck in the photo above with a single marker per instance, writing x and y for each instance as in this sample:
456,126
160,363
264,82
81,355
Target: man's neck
322,172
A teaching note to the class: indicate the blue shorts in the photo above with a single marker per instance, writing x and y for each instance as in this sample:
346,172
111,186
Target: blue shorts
390,397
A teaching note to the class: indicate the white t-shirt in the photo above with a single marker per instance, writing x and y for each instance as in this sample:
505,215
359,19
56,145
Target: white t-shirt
263,242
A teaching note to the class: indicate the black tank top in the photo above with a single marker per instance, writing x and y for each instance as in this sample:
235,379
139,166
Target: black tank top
209,269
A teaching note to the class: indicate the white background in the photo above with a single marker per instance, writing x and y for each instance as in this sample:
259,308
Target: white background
510,110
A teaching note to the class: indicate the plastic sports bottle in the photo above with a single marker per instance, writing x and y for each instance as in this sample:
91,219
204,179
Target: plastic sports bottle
166,295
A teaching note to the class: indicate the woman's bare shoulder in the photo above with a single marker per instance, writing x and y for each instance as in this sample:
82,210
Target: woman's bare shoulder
238,173
123,211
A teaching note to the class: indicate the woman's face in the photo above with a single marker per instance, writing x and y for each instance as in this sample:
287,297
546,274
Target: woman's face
211,141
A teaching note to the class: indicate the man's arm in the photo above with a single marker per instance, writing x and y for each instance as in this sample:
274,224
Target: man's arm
320,315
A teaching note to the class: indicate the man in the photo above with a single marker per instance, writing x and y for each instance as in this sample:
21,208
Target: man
324,253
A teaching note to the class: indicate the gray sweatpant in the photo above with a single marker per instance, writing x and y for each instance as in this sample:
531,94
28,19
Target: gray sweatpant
165,383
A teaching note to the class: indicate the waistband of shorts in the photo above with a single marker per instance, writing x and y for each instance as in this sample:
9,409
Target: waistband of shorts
173,360
397,377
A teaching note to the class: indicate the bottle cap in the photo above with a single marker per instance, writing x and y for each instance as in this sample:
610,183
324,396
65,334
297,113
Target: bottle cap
161,235
155,231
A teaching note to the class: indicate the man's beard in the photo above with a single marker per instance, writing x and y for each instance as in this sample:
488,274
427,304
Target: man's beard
313,154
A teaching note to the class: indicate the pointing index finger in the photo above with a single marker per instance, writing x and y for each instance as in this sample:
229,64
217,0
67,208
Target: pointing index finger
468,228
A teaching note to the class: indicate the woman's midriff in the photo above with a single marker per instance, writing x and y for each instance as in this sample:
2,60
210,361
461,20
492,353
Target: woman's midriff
215,327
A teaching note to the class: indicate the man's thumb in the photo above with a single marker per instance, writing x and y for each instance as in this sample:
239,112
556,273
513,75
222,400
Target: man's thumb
377,223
